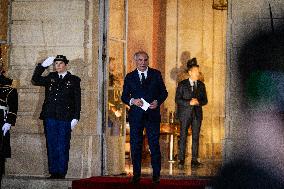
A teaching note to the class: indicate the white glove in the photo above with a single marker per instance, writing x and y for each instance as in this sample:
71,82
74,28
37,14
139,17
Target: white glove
47,62
6,127
73,123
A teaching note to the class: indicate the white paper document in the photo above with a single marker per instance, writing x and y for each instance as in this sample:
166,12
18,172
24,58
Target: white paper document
145,104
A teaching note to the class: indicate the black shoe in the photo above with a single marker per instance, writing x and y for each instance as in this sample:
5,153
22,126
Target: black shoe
156,179
52,176
195,163
56,176
181,164
60,176
135,179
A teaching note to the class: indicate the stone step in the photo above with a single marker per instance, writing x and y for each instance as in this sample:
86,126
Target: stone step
27,182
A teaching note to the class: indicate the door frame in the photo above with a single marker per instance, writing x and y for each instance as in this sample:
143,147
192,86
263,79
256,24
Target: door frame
103,74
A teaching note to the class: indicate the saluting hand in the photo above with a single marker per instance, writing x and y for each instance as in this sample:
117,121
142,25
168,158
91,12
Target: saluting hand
47,62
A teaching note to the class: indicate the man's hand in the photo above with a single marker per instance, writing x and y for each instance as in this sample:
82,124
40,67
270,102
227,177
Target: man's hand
194,102
154,104
47,62
137,102
73,123
6,127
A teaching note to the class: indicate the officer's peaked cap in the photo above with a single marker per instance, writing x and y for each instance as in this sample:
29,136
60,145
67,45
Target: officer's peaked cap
61,58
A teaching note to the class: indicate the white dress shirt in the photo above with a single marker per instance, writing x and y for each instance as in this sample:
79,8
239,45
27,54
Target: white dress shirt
145,74
192,83
140,77
63,74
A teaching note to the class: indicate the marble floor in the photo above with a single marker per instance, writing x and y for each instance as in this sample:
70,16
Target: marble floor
208,169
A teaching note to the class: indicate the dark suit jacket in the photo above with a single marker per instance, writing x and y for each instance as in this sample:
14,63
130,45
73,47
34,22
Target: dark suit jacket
184,94
154,89
62,96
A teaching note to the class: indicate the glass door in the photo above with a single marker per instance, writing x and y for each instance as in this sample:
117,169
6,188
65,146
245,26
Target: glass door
116,59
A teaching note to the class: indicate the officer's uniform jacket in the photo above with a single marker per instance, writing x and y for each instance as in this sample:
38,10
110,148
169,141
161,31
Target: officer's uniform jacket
8,112
62,96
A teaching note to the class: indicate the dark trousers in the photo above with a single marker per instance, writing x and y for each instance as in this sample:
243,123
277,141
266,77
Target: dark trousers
2,169
58,135
136,143
195,127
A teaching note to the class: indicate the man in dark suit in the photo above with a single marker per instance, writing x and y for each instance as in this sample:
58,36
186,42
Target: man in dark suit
8,115
144,86
60,111
190,97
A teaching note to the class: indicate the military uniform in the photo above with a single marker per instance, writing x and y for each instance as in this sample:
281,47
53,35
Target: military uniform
62,104
8,114
62,96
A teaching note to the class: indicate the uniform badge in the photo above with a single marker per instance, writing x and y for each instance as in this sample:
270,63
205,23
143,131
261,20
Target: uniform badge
68,84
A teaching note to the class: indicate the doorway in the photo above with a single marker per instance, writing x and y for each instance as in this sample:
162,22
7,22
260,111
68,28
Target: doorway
115,68
172,32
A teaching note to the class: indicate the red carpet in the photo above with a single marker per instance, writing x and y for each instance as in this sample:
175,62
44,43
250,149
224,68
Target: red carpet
123,183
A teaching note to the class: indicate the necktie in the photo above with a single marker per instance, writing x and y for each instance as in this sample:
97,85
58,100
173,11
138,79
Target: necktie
194,96
142,79
60,77
194,89
195,85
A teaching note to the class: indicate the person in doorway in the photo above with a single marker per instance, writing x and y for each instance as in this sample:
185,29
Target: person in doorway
192,62
144,91
190,97
60,111
8,115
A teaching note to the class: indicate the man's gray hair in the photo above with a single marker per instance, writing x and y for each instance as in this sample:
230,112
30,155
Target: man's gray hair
139,53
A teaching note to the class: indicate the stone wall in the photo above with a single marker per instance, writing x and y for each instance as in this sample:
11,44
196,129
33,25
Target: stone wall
47,28
140,30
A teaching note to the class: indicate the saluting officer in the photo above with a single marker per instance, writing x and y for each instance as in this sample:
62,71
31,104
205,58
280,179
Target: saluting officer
8,115
60,111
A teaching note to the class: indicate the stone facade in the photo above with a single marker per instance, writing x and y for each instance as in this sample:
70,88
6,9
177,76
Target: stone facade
47,28
43,28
